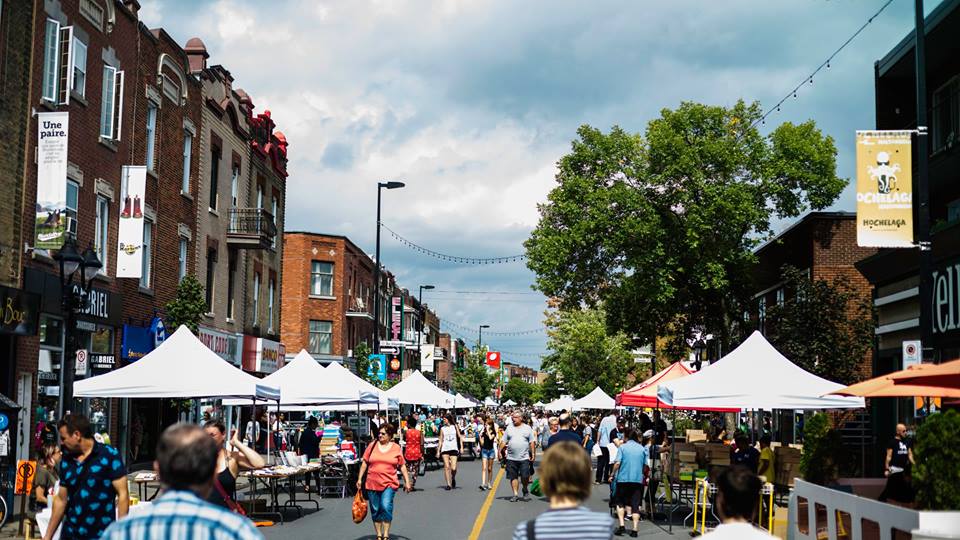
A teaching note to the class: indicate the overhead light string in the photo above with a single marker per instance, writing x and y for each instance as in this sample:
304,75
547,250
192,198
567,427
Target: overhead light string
453,258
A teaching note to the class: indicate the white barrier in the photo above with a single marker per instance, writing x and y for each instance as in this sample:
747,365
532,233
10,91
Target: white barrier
887,517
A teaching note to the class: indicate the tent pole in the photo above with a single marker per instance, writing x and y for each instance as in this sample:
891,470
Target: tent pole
673,457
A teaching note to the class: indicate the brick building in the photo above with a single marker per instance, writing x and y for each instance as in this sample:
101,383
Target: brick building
328,288
516,371
240,204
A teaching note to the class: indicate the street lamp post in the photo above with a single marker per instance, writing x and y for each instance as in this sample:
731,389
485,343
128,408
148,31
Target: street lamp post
73,300
422,313
376,268
480,337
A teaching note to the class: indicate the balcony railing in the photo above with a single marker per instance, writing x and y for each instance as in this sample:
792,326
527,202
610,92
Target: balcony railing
251,228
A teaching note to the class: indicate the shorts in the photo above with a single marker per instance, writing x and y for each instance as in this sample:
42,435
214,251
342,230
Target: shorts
488,454
519,469
629,494
450,453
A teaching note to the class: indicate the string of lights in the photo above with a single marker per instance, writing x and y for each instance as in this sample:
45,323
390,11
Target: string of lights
506,354
465,328
824,65
453,258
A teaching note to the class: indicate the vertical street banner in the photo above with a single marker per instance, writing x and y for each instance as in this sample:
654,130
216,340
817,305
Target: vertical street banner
884,189
133,186
377,366
52,222
426,358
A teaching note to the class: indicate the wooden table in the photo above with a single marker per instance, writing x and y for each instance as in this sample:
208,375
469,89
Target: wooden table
271,480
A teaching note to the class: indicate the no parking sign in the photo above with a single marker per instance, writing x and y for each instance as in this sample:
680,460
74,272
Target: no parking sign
83,362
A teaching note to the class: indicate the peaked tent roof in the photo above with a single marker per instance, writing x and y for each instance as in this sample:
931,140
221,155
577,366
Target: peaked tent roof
303,381
509,403
463,402
490,402
181,367
596,399
417,390
340,375
645,393
754,376
559,404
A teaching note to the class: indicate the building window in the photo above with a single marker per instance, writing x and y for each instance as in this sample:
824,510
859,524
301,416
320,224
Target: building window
255,305
73,197
273,213
259,196
145,275
321,279
79,67
321,337
111,105
270,293
761,313
946,116
101,234
51,54
214,173
182,259
151,133
187,150
231,282
235,184
780,296
211,274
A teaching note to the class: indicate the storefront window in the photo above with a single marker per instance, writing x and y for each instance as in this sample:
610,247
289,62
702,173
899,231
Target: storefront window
48,368
99,341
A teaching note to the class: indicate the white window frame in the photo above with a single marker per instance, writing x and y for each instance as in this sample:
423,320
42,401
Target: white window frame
273,212
255,305
187,154
270,294
260,196
51,61
316,277
235,184
182,254
151,134
314,328
72,224
146,275
102,232
79,83
111,105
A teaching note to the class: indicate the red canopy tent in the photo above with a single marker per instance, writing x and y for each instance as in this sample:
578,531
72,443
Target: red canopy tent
645,393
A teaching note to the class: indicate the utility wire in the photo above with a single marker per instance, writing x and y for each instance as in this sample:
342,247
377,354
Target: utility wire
824,65
453,258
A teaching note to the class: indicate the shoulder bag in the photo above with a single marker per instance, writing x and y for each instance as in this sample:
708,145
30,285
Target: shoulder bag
231,504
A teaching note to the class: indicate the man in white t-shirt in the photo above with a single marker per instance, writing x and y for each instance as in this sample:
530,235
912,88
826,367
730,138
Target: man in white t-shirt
738,490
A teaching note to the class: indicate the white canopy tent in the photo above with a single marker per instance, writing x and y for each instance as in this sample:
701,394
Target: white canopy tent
597,399
181,367
560,404
538,404
417,390
463,402
490,402
337,374
509,403
305,383
754,376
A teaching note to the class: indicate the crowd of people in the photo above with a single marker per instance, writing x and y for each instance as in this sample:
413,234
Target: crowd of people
84,481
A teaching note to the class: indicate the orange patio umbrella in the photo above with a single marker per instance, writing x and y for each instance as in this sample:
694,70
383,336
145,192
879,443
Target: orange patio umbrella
888,386
945,375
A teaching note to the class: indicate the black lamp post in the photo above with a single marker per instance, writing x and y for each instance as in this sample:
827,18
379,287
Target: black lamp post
376,268
73,298
422,314
480,337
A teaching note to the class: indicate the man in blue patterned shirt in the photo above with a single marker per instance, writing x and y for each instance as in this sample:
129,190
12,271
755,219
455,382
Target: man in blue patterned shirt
186,466
93,484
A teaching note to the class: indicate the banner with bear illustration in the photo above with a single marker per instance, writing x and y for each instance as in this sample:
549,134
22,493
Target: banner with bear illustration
133,187
53,220
884,189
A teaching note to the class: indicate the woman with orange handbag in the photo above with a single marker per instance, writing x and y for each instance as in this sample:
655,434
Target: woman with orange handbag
378,476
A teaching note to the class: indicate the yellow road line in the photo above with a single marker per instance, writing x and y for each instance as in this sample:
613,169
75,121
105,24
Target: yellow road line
485,509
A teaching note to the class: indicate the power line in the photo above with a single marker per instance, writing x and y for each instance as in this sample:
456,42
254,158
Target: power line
824,65
453,258
488,292
465,328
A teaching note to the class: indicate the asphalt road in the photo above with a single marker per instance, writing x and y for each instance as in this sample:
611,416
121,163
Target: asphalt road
432,513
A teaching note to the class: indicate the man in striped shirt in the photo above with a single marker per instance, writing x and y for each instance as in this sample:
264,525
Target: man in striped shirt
186,466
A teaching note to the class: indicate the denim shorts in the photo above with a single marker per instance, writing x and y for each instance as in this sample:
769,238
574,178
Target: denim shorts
381,504
488,454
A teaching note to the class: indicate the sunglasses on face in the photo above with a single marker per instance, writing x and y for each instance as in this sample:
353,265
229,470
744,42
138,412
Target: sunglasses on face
384,434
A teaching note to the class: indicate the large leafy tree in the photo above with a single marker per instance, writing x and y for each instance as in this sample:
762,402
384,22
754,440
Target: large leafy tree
474,378
584,356
661,226
520,391
825,327
188,307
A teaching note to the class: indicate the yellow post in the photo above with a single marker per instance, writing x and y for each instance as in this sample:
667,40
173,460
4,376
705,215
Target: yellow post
696,496
706,496
770,504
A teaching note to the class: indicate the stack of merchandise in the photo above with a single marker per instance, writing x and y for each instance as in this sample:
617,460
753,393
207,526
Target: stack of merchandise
787,463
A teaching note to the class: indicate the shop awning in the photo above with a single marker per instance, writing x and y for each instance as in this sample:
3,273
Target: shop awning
181,367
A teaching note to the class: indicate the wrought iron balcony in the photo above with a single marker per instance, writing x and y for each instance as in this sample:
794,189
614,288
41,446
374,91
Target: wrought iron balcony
251,228
359,309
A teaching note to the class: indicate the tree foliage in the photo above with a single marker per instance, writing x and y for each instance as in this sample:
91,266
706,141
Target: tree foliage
660,227
824,327
361,353
188,307
584,356
822,448
520,391
550,389
937,452
474,378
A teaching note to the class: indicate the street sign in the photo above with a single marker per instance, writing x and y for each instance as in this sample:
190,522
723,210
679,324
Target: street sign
83,362
389,350
392,343
912,353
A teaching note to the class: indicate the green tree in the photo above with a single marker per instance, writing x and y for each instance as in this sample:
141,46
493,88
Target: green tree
584,355
474,378
362,354
661,227
937,451
824,327
550,389
822,448
520,391
188,307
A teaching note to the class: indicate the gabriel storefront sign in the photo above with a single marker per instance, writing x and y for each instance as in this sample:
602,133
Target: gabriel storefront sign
262,355
884,189
224,344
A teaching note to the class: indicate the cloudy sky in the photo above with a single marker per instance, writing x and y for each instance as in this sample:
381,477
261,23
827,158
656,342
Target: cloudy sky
471,103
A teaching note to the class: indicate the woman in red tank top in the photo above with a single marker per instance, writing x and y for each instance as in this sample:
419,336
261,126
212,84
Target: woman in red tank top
413,453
